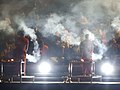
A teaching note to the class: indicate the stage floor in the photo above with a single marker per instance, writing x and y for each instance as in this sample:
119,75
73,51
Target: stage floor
60,86
28,83
51,82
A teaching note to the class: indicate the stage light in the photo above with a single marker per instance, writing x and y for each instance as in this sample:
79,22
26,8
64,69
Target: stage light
107,69
44,67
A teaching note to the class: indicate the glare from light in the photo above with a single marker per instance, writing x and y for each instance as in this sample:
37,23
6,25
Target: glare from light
44,67
107,68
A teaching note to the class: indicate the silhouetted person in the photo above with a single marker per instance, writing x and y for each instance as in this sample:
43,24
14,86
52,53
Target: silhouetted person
44,51
86,50
21,44
31,45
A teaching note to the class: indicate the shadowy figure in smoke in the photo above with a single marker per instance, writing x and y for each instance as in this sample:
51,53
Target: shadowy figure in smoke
31,45
113,47
21,44
86,50
39,38
7,45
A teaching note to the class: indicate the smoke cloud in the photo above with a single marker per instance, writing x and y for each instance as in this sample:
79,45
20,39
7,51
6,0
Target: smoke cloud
69,18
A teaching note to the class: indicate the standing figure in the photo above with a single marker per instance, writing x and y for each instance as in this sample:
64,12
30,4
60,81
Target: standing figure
44,52
21,44
86,50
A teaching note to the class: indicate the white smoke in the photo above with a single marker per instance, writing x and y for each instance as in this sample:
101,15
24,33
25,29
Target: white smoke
102,49
5,25
31,58
36,53
83,13
98,13
116,23
22,25
54,25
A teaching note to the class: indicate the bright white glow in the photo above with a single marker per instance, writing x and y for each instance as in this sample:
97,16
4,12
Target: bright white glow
107,68
44,67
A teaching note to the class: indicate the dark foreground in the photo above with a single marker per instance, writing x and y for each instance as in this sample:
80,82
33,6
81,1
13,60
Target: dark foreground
59,86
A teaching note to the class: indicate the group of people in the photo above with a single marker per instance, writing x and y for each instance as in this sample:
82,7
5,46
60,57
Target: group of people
86,50
24,45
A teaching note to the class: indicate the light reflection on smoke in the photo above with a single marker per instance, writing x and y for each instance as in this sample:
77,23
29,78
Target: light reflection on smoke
102,49
54,25
5,25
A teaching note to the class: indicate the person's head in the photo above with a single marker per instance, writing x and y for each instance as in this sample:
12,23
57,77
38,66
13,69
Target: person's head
87,36
20,33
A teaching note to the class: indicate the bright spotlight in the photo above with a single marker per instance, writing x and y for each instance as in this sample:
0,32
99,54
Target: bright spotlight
44,67
107,68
